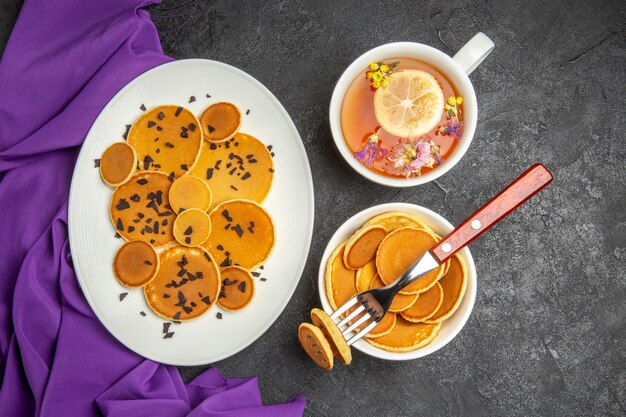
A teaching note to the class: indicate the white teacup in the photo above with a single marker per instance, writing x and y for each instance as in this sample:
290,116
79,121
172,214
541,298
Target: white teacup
456,69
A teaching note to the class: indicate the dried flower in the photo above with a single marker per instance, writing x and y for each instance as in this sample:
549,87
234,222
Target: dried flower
372,151
379,74
410,155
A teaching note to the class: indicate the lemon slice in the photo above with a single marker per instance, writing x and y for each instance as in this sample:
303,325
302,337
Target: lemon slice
411,105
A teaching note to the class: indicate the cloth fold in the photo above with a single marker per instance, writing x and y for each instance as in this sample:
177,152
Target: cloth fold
64,61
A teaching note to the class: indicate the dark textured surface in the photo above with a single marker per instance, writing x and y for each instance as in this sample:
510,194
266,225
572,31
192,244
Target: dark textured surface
548,332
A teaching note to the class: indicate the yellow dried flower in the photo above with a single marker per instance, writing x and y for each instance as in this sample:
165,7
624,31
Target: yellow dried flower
374,66
459,101
384,68
452,101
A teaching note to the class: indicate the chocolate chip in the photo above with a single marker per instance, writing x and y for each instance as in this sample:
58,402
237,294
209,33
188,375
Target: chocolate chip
263,279
234,188
183,167
151,123
219,315
142,181
206,300
192,99
159,128
143,107
211,130
171,177
184,135
143,313
178,111
271,170
256,274
161,115
209,173
166,326
125,135
122,205
192,127
220,247
188,231
135,198
248,111
252,161
188,240
238,230
242,286
166,296
227,215
176,316
131,229
96,163
123,295
213,146
168,335
147,160
246,176
119,225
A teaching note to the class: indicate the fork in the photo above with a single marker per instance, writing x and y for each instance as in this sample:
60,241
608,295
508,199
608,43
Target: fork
375,303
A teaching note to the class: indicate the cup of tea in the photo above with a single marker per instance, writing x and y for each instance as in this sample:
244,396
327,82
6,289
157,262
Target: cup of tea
404,113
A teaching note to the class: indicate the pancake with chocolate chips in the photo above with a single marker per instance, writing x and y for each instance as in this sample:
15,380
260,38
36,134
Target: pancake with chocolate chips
337,342
186,286
238,168
220,121
166,139
316,345
140,209
136,263
117,164
192,227
242,234
237,288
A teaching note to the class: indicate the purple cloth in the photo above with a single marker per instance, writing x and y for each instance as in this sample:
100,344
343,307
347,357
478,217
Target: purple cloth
64,61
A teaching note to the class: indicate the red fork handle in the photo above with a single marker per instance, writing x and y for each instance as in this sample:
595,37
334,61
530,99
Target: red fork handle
525,186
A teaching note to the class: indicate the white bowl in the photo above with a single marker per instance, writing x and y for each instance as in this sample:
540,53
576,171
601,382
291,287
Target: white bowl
456,69
450,327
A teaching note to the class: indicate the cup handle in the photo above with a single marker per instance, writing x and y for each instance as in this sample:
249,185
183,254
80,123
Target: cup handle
474,52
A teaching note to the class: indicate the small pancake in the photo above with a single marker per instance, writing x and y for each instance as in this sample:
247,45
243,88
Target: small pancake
190,192
166,139
315,345
399,250
401,301
361,247
365,275
136,263
237,288
140,209
427,305
406,336
242,234
220,121
241,167
192,227
393,220
453,285
118,163
384,326
337,342
186,286
340,281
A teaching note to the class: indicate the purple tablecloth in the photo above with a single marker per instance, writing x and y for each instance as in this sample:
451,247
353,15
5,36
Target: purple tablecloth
64,61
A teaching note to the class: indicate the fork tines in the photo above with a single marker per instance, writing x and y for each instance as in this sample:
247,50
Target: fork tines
371,314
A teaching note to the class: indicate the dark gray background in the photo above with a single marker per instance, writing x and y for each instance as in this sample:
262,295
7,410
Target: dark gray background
548,332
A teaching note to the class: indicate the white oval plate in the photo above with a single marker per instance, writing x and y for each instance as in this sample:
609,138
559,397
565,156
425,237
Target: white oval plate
450,327
290,202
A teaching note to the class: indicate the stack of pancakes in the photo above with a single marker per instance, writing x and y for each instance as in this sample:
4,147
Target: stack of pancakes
187,201
375,256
